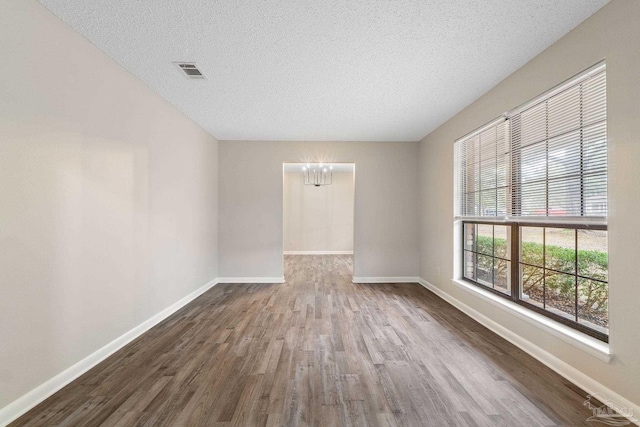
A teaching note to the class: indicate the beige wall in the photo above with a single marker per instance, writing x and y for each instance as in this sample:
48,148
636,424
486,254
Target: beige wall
613,34
108,200
318,218
251,200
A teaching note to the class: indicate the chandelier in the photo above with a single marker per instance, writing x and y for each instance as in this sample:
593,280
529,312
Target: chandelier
317,174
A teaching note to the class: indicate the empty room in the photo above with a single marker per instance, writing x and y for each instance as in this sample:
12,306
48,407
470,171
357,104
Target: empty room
319,213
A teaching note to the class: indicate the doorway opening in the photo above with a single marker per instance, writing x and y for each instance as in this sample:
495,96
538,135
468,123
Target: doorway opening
318,210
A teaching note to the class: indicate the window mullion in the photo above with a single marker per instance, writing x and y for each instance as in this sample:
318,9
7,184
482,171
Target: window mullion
575,266
515,262
544,267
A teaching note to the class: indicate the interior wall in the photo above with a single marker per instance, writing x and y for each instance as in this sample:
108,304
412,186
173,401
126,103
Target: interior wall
108,200
251,204
318,219
612,34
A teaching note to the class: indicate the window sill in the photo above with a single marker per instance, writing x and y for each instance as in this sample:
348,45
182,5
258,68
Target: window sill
593,346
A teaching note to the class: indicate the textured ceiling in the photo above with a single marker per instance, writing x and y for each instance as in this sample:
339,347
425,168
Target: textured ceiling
323,70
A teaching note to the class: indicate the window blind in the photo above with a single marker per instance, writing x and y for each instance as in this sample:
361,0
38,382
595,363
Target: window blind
482,171
546,159
559,152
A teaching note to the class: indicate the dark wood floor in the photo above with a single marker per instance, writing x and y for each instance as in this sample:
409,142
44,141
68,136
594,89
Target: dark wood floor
318,350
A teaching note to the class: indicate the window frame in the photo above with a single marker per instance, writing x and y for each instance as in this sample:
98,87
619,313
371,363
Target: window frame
514,217
515,259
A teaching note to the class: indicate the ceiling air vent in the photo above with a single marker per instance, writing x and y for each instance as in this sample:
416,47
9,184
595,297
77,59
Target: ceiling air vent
190,69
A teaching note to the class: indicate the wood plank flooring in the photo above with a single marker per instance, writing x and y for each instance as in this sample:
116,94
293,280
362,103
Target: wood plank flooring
316,351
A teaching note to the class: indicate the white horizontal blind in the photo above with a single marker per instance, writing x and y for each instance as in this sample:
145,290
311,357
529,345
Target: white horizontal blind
559,152
482,170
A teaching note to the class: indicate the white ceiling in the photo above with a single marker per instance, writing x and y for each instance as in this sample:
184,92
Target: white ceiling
323,70
337,167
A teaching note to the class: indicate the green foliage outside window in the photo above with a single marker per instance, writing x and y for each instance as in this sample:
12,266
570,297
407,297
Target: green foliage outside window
559,289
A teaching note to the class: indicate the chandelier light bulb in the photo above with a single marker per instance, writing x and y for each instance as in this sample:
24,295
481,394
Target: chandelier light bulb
317,174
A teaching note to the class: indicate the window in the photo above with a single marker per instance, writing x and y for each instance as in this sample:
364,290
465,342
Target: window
483,158
487,255
532,202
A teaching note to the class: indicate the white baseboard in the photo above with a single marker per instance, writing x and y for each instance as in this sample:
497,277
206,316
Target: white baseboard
397,279
318,252
32,398
585,382
251,279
